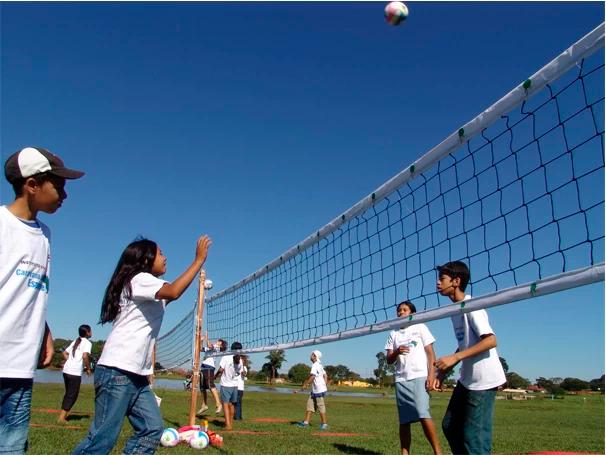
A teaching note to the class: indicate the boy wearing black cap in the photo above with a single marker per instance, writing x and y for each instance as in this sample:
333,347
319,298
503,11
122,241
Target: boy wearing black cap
38,179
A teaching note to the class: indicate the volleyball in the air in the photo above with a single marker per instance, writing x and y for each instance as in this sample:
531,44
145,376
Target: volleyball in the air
199,440
396,13
170,438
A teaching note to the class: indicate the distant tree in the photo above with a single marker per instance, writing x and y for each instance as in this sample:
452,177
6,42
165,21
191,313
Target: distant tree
266,372
549,386
298,373
276,359
504,364
574,384
597,385
158,366
383,368
556,380
515,381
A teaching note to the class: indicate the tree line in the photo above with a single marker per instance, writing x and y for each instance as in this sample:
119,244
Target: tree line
383,374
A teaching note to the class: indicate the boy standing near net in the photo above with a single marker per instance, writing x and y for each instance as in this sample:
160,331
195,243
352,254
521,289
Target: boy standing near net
229,370
315,402
38,179
467,423
411,348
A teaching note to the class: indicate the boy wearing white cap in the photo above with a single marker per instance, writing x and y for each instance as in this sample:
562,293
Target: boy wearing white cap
315,402
38,179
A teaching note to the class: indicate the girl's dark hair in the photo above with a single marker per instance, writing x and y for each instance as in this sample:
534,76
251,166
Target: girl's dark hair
411,306
223,345
83,331
137,257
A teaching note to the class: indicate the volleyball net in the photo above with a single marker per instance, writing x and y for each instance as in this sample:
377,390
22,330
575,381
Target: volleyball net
517,193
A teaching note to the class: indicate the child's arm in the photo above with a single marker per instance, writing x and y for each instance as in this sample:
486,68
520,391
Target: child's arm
307,381
486,343
431,372
86,361
174,290
392,355
218,374
47,350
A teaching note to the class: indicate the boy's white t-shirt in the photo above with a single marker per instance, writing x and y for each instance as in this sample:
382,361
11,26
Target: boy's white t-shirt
483,371
229,378
319,384
130,344
413,364
24,282
74,363
241,376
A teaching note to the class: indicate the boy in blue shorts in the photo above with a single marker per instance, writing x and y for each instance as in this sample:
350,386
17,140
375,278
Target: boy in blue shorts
38,179
467,423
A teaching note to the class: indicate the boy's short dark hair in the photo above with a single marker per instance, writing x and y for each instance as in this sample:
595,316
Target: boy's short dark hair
40,179
236,346
456,269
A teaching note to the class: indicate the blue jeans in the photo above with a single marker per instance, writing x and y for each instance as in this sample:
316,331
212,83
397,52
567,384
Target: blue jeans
120,394
467,423
238,406
15,404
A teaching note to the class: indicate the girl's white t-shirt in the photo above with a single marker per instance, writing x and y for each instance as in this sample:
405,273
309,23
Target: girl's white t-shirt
74,363
413,364
24,282
483,371
319,384
130,344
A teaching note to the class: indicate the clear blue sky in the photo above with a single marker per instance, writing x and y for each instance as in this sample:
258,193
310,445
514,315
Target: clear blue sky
257,123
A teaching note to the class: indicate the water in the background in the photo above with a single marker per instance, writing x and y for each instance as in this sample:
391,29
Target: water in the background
56,377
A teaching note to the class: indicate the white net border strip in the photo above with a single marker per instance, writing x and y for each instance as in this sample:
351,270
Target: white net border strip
583,48
555,283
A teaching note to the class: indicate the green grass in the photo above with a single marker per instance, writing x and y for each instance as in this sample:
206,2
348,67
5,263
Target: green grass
572,424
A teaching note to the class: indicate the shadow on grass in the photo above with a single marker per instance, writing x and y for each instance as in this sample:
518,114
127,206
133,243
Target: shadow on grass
74,417
354,450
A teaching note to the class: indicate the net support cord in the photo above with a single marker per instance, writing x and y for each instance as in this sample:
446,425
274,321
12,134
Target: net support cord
555,283
583,48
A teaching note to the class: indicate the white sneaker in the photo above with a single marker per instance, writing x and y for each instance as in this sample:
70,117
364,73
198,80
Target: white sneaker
219,409
202,410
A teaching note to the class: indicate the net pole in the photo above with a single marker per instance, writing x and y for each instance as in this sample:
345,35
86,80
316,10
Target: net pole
196,363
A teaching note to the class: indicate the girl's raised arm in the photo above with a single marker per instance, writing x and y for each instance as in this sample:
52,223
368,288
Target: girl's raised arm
174,290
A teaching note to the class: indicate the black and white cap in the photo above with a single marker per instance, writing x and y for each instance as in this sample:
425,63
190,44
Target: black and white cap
36,160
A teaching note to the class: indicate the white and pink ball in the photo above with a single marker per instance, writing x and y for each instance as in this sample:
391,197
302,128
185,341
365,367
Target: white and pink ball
396,13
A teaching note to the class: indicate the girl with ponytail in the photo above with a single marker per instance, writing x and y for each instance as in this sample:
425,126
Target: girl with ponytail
76,359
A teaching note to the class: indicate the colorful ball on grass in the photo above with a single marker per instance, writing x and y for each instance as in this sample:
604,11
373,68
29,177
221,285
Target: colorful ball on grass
396,13
200,440
170,438
185,433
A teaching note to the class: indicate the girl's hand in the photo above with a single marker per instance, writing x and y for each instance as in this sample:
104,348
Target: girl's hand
202,246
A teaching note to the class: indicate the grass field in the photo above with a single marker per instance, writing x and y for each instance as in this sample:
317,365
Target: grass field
365,426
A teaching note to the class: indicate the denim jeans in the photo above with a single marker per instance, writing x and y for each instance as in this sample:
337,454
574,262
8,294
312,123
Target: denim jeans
467,423
120,394
15,404
238,406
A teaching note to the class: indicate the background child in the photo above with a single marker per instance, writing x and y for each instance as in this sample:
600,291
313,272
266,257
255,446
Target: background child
207,382
76,360
38,180
467,423
134,301
241,379
412,349
315,402
229,372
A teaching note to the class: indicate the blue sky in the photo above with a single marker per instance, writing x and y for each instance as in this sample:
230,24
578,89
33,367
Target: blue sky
258,123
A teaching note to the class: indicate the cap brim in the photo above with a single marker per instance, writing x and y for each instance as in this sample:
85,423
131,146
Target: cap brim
67,173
